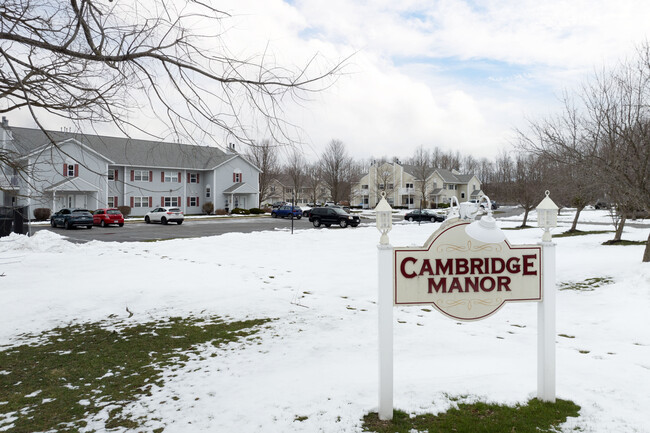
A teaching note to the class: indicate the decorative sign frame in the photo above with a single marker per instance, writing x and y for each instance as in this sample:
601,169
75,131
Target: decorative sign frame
463,278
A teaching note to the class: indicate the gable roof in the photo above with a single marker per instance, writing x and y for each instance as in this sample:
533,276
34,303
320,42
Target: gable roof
415,171
127,151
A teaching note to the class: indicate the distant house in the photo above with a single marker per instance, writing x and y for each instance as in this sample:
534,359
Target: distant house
403,185
281,189
93,171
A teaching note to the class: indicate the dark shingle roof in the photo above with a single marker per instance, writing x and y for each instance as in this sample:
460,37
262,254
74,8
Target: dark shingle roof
127,151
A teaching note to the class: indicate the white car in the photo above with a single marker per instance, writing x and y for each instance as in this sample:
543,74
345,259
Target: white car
164,215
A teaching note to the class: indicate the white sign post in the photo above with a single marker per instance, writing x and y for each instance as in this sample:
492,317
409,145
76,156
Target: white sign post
385,305
546,219
467,271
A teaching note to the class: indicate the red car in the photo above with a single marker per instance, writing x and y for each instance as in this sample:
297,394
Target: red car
104,217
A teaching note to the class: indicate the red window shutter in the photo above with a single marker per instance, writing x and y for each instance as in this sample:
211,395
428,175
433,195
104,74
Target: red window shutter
150,201
188,178
179,201
150,176
197,201
162,201
115,174
132,175
65,170
197,177
233,177
162,176
241,177
132,202
76,170
179,177
115,201
188,201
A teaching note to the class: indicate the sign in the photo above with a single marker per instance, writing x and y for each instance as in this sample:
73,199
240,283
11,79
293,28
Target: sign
464,278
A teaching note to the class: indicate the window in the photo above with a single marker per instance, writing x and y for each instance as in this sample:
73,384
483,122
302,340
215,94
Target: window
172,177
462,195
70,170
390,186
289,190
192,178
192,201
381,186
171,201
111,202
364,186
111,174
207,191
237,177
141,175
273,189
140,201
409,185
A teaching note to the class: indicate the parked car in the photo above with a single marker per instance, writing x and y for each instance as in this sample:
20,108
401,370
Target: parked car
277,204
286,211
306,210
164,215
104,217
332,215
70,218
424,215
601,204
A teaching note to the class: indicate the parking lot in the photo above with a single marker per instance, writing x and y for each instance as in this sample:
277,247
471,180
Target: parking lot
139,231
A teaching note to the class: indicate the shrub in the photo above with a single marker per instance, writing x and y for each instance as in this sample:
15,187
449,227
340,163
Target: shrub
220,212
42,213
443,205
255,211
208,207
240,211
126,210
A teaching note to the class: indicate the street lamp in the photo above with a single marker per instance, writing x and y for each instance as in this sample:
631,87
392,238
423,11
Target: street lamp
384,218
485,229
547,216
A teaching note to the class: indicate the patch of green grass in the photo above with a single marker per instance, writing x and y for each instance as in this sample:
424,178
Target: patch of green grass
566,336
533,417
67,374
518,228
587,285
570,233
624,243
300,418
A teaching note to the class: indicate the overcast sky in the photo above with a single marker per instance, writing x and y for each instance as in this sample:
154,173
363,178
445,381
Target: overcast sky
450,73
456,74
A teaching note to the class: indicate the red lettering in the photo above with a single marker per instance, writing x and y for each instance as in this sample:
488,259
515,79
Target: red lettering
426,267
476,266
501,265
442,284
484,286
402,267
528,264
473,284
461,267
455,285
503,284
443,269
513,268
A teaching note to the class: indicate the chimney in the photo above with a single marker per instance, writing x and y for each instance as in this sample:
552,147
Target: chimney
231,147
5,122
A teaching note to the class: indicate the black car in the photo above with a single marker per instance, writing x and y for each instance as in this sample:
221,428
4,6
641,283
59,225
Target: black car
70,218
424,215
332,215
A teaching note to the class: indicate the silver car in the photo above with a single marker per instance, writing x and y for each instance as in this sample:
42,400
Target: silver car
164,215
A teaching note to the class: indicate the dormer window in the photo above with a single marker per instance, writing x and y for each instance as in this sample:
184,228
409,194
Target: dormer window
237,176
70,170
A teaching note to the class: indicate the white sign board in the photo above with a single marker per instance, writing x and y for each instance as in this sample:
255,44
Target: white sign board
463,278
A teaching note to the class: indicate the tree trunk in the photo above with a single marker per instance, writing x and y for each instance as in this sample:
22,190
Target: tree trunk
525,217
619,230
646,254
575,220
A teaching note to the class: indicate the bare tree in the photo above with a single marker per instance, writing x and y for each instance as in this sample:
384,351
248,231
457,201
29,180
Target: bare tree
313,179
265,156
422,169
295,171
96,61
384,177
337,170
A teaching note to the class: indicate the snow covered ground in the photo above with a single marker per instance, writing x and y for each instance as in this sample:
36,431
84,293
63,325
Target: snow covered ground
319,359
